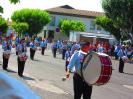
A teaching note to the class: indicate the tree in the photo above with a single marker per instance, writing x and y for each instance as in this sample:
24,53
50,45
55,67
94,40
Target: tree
70,25
21,28
108,25
3,25
120,11
35,18
11,1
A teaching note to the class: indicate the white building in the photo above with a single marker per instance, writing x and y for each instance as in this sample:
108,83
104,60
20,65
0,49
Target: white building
68,12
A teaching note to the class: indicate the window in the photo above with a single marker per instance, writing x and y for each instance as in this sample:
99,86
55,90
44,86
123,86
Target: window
52,22
92,25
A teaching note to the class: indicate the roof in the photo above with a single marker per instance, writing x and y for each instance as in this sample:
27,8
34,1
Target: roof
70,11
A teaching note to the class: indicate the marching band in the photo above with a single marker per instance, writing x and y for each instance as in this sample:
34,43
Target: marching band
20,45
76,60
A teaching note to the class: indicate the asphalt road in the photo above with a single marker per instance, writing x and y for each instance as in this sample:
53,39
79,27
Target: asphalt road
44,76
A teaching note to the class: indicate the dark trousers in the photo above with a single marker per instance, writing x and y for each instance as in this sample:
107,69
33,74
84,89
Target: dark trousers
63,53
43,49
54,52
16,53
66,65
32,53
81,87
5,63
21,65
121,65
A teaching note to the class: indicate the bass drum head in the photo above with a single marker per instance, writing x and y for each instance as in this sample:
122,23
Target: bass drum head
91,68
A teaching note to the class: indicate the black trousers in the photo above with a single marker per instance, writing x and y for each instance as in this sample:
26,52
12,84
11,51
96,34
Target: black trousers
54,52
66,65
121,65
5,62
43,50
32,53
81,87
16,53
21,65
63,53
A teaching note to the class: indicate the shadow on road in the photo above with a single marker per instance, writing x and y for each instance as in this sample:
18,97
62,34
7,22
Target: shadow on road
45,55
9,70
37,60
28,78
129,73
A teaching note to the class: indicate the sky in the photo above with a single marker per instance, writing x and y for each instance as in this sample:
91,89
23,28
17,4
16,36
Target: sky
91,5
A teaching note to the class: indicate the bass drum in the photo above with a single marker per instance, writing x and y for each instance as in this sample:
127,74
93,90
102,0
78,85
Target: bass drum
96,68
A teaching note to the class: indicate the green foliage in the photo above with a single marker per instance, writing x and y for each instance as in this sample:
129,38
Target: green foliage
120,11
70,25
1,9
35,18
107,24
3,25
14,1
11,1
21,28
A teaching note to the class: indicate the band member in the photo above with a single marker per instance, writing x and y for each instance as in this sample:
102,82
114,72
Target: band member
22,57
54,49
43,46
67,57
75,47
64,48
36,41
80,86
17,41
33,48
121,54
6,46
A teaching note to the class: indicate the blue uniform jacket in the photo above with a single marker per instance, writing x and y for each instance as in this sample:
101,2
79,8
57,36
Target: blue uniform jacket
76,60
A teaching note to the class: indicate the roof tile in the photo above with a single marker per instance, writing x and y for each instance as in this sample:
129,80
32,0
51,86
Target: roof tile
68,10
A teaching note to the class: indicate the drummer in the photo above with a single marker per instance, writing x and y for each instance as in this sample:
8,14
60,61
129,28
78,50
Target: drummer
80,86
6,46
22,49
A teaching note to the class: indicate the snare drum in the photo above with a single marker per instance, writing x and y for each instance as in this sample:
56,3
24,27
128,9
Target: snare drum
125,59
7,54
23,57
96,68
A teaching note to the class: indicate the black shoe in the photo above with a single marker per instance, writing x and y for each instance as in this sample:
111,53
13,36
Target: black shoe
31,58
5,69
121,72
20,75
